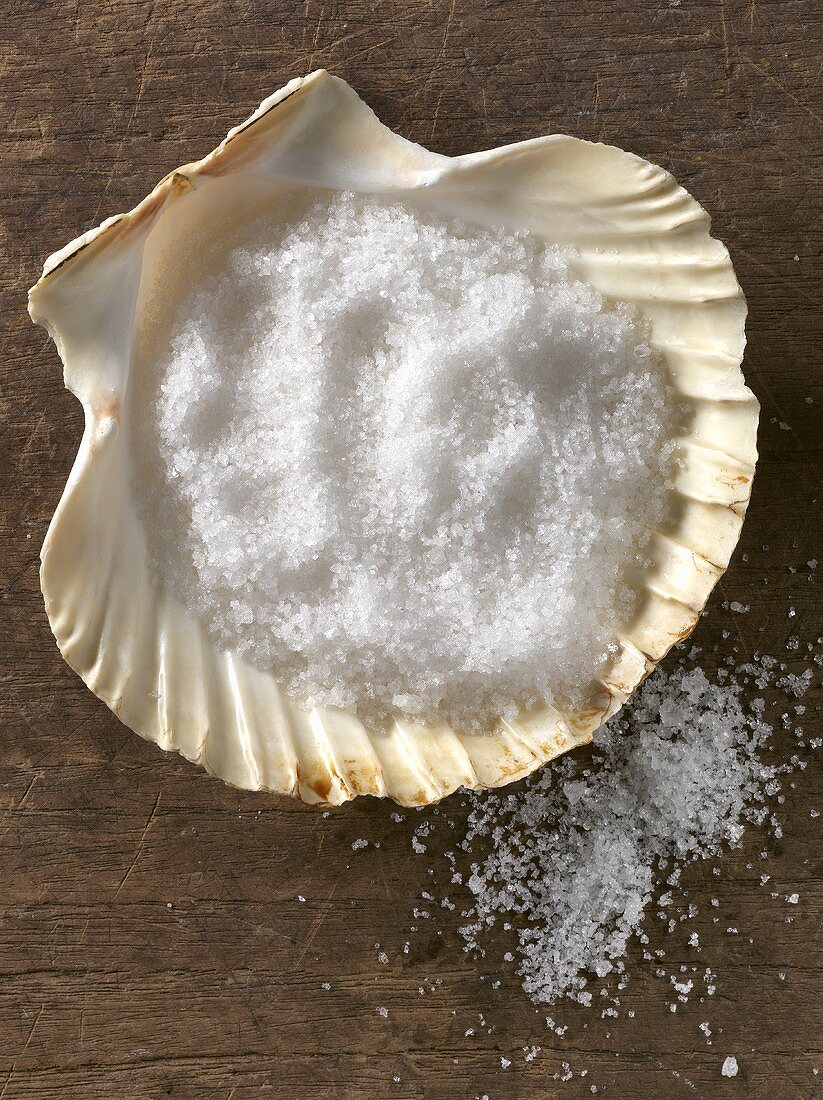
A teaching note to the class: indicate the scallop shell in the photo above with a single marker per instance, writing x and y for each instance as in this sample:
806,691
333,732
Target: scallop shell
638,237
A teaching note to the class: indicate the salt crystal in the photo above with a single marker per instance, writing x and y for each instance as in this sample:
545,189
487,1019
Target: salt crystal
729,1067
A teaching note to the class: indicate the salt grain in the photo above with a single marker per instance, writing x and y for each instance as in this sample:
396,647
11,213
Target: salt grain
729,1067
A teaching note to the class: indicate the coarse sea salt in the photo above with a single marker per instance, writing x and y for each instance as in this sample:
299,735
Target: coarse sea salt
729,1067
571,861
403,461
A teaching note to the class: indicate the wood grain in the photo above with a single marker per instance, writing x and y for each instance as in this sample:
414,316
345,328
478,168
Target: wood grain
151,938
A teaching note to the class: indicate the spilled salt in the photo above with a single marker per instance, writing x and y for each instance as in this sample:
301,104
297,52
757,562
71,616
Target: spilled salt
402,460
570,861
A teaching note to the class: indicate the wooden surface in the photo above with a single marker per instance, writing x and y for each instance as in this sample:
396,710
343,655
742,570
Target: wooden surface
151,938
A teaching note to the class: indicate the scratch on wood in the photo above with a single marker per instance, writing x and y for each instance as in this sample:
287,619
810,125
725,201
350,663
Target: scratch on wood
34,1027
8,587
771,78
63,741
436,114
142,84
447,28
725,42
335,42
115,163
13,809
139,851
310,64
315,928
596,98
32,436
17,806
27,792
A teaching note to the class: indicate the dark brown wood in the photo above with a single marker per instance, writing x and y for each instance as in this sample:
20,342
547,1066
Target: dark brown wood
151,938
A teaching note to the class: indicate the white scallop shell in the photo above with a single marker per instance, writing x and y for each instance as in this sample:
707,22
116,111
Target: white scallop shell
639,237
